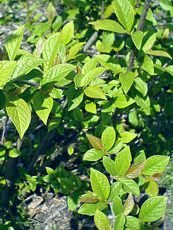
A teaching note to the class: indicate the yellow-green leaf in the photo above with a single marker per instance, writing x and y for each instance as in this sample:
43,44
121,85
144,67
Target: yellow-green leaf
42,105
20,113
125,13
108,25
13,43
153,209
67,33
100,184
101,221
94,92
108,138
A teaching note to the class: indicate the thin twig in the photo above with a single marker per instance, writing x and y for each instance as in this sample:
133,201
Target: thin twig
35,84
94,36
139,28
41,150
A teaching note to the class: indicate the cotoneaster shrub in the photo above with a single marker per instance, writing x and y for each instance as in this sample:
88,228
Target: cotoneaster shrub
98,105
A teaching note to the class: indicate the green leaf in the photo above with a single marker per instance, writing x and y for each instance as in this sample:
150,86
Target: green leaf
6,70
89,197
91,75
148,65
105,46
25,64
153,209
141,86
67,32
108,138
125,13
128,205
57,73
50,50
13,42
100,184
127,80
74,50
116,188
116,148
133,118
159,53
117,205
149,43
51,12
122,101
109,165
119,222
123,161
93,155
94,92
130,186
14,153
20,113
95,142
132,223
89,65
127,137
137,38
155,164
108,25
101,221
42,105
152,187
91,107
169,69
76,102
72,201
90,209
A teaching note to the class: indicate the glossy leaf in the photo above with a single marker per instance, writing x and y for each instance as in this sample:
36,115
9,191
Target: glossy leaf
153,209
13,43
94,92
93,155
155,164
108,138
123,161
67,33
57,73
128,205
24,65
133,223
108,25
127,80
125,13
101,221
109,166
42,105
91,75
100,184
119,222
137,38
90,209
6,70
95,142
130,186
50,50
127,137
20,113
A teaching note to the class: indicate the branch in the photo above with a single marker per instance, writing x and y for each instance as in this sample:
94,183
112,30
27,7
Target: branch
41,150
139,28
35,84
94,36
